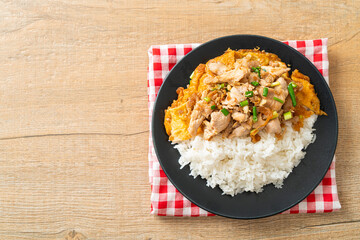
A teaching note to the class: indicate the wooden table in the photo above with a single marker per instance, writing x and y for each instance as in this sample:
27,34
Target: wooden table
74,121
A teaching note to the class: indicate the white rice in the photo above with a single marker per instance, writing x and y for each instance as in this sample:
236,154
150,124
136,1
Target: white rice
237,165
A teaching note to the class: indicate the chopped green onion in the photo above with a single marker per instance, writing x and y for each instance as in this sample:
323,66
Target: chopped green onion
275,114
255,83
292,94
265,91
254,114
190,82
222,86
275,84
287,115
293,84
254,131
207,99
249,93
244,103
192,75
213,89
213,107
278,99
225,111
262,102
257,70
264,70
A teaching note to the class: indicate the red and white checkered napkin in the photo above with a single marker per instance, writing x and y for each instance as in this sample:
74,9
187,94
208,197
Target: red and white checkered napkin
165,199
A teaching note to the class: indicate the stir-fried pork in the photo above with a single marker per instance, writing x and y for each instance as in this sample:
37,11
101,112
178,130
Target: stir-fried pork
201,111
239,94
217,68
280,92
240,117
217,123
231,76
273,126
241,131
275,71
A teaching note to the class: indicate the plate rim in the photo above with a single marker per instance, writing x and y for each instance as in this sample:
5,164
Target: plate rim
332,102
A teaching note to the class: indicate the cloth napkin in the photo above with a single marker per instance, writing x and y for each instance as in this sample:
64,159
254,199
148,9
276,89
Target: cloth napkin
166,200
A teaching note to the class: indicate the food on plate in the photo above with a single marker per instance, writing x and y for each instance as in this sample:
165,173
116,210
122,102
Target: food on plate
243,121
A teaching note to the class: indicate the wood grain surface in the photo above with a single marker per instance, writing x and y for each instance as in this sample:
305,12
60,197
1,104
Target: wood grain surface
74,121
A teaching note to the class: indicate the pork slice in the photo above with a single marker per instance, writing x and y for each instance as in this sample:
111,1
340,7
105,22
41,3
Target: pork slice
275,71
253,63
233,76
274,64
210,79
195,122
204,94
241,131
279,92
259,122
265,83
243,62
237,95
273,126
287,105
278,64
217,67
234,97
198,115
239,117
247,62
245,87
283,84
253,77
267,78
269,101
192,101
282,90
228,129
217,124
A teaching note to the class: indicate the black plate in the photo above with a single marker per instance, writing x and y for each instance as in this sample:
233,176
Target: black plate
304,178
